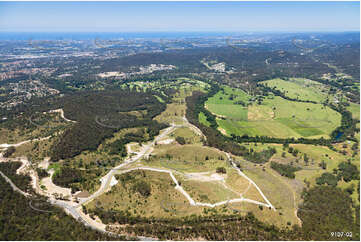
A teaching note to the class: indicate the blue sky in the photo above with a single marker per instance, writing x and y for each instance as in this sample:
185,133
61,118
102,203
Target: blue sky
179,16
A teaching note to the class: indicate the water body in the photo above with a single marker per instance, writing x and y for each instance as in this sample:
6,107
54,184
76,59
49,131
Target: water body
339,135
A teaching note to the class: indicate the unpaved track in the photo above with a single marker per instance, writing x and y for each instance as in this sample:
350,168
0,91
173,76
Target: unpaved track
105,180
189,198
61,111
253,183
194,128
14,187
3,146
293,193
76,212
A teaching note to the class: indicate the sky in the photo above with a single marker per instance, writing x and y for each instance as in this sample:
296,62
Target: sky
178,16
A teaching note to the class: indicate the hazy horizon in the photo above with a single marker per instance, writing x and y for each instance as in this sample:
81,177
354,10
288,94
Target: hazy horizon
179,16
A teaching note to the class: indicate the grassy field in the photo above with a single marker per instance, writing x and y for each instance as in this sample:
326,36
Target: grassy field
163,201
186,158
177,109
354,108
280,194
272,184
173,113
222,105
318,154
34,151
189,136
299,88
203,119
207,192
277,117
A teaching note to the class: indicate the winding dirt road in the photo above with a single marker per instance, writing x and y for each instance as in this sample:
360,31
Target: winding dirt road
75,210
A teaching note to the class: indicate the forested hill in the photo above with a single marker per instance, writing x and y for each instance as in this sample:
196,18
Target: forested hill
98,114
18,221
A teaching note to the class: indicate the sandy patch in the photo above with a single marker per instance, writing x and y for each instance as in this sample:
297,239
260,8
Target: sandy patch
54,189
165,142
223,131
113,181
256,113
205,176
45,163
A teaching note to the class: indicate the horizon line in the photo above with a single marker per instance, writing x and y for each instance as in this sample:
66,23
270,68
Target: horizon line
174,31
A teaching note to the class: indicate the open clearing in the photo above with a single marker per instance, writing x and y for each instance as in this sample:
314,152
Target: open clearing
302,89
277,117
223,103
240,114
186,158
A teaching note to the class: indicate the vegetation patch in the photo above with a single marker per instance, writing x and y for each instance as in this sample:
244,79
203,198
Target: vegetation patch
285,170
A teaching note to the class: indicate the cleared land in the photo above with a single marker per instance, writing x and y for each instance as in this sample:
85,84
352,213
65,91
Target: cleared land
354,108
186,158
224,103
275,117
160,202
302,89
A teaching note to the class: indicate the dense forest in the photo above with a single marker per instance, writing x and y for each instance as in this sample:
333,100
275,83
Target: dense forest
326,210
18,221
220,227
22,182
99,114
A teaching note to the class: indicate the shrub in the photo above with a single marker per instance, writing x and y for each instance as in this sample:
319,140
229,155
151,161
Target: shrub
348,171
143,188
327,178
221,170
285,170
9,151
180,140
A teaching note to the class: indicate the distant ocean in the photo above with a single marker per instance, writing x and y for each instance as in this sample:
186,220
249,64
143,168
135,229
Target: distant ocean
105,35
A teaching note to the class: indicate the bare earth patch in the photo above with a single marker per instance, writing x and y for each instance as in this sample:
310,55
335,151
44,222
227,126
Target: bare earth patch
259,113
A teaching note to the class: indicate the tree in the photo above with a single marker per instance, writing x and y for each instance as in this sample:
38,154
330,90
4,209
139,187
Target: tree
350,189
143,188
180,140
221,170
327,178
9,151
348,171
323,165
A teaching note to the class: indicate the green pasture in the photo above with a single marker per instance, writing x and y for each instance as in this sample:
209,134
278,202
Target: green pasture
278,117
221,104
203,119
354,108
299,88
